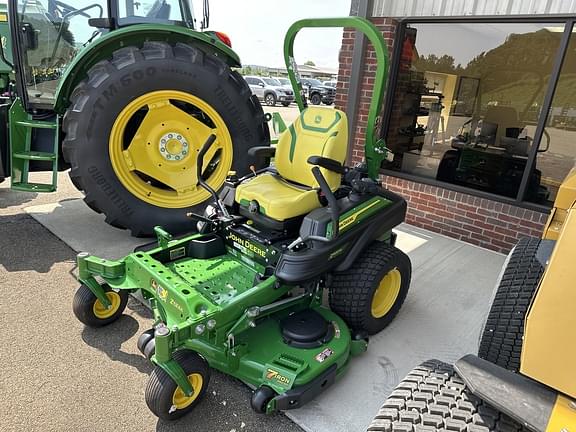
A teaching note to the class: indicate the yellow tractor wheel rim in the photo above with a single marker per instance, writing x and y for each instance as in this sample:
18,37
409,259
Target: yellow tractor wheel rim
386,294
179,398
156,160
101,312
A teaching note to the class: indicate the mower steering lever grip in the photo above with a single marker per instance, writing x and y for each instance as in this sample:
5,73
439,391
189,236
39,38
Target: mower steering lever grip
201,153
332,202
201,182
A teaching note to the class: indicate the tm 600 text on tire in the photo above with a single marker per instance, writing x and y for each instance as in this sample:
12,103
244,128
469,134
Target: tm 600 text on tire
136,123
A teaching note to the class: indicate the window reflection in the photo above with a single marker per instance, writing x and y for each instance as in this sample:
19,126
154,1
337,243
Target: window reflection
467,102
557,153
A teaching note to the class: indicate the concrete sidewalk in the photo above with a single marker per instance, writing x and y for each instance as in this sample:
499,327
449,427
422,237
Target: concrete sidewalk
451,286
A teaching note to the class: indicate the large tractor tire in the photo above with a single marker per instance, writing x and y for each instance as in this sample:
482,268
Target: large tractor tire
137,122
433,398
502,336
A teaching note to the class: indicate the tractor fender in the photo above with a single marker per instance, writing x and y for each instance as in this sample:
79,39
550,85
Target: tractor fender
135,35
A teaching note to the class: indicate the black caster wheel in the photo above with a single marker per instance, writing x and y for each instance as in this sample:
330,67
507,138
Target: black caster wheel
262,395
149,349
144,338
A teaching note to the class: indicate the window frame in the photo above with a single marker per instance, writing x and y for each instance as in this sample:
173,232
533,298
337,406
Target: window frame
569,22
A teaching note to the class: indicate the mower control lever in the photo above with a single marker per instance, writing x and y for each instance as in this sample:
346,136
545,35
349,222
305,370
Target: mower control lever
332,202
329,164
201,182
333,209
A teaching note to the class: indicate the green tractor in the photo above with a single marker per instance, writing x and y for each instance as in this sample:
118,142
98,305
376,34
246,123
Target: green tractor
124,94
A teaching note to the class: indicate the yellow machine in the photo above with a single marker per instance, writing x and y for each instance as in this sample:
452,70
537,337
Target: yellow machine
523,378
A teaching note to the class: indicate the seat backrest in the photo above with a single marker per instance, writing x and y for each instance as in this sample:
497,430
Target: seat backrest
316,132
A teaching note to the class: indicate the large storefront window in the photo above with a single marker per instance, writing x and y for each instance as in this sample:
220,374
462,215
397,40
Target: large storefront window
557,153
467,102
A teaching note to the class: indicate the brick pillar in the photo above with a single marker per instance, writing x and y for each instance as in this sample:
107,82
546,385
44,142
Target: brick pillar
388,27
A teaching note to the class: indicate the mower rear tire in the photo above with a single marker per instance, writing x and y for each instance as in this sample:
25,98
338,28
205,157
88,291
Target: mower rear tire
369,294
136,123
433,398
286,104
503,333
260,398
167,400
91,312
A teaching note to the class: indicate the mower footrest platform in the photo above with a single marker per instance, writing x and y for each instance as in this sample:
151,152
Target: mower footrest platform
298,396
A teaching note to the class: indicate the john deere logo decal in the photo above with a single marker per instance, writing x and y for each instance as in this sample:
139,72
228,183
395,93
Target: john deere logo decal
318,119
162,292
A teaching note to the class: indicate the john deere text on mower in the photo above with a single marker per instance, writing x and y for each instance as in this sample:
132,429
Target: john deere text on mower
244,294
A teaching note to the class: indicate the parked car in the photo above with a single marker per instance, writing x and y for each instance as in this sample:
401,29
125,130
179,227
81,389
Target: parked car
318,92
330,83
270,90
286,83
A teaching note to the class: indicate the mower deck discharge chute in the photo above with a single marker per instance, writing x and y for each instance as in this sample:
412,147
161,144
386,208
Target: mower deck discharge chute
244,293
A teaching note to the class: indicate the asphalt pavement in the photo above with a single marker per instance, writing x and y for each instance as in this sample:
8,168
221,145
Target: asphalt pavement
57,375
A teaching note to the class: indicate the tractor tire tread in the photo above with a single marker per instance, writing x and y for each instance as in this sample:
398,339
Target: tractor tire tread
350,295
431,398
502,337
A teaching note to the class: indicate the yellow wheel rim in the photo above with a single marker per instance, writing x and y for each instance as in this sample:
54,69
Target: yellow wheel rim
153,146
179,398
101,312
386,294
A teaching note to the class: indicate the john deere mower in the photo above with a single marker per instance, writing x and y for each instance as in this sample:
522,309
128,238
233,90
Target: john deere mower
244,294
123,93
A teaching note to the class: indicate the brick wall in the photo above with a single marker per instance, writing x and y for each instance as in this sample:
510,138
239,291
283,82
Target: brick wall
475,220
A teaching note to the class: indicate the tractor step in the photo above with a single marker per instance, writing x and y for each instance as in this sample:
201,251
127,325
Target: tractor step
35,156
33,187
36,124
24,133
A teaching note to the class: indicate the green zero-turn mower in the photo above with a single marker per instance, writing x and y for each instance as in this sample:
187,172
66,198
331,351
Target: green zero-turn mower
124,93
243,294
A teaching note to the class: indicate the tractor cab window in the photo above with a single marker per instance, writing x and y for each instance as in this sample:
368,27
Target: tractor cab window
177,11
51,34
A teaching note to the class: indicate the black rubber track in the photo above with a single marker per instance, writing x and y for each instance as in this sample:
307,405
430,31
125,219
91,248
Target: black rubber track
161,387
131,72
501,340
433,398
352,291
83,307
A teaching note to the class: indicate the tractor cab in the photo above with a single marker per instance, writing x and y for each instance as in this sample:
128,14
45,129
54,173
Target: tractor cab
50,34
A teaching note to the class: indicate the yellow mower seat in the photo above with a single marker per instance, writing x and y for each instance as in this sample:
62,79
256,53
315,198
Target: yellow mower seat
294,191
